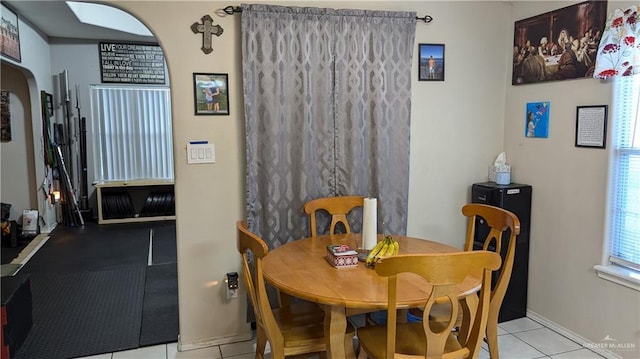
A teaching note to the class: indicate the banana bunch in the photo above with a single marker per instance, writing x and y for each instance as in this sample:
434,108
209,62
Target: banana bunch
385,248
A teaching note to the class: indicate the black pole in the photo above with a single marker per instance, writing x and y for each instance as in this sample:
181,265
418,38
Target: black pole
84,191
68,122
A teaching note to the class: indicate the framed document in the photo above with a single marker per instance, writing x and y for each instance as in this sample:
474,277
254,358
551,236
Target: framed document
591,126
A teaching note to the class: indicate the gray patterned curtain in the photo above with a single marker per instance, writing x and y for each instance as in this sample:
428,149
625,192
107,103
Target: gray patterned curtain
327,110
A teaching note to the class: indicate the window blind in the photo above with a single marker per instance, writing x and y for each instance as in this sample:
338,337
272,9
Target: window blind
625,226
131,133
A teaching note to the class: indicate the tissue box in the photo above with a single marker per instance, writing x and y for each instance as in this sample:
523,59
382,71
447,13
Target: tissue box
341,256
495,169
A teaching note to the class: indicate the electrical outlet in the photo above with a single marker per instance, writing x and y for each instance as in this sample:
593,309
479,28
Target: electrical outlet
232,285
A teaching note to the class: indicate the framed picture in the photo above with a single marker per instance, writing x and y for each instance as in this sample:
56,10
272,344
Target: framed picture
211,94
5,117
537,120
591,126
558,45
10,38
431,66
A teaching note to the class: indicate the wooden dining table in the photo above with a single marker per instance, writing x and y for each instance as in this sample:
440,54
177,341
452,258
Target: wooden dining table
299,269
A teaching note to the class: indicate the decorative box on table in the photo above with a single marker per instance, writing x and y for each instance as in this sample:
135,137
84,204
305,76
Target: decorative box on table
341,256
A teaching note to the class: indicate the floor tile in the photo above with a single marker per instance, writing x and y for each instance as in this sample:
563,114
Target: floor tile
548,341
235,349
519,325
155,352
513,348
244,356
208,353
502,331
577,354
484,354
99,356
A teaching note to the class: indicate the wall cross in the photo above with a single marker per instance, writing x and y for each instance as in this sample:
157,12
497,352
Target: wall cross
206,29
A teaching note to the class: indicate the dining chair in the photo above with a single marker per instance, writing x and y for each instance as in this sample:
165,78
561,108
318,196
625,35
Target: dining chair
495,222
338,207
442,272
295,329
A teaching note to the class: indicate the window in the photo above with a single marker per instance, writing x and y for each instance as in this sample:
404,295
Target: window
624,196
131,133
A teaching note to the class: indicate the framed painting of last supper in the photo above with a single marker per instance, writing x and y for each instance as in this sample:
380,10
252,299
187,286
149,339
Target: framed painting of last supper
558,45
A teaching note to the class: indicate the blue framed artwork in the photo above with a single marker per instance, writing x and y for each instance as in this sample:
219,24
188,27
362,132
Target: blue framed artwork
537,120
431,66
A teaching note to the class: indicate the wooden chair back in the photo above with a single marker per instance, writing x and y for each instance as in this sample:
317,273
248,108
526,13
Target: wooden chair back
291,330
443,272
498,220
337,207
254,279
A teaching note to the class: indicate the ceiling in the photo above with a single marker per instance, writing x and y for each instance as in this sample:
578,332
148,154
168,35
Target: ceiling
55,20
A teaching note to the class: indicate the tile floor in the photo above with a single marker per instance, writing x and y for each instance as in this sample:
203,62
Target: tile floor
518,339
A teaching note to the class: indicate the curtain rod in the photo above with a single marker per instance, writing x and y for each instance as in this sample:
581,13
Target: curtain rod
230,10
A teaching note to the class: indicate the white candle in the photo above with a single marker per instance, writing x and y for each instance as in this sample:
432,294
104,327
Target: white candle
369,223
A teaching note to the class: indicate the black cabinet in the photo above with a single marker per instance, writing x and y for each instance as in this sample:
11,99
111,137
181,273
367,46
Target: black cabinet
515,198
16,313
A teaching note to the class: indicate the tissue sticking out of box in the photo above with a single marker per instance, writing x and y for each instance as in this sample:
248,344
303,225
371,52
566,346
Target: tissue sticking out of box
500,171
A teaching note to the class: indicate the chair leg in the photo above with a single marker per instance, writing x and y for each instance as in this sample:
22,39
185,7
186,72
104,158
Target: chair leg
261,342
348,346
492,336
277,353
468,307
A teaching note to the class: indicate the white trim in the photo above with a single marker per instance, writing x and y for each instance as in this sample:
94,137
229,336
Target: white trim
31,249
210,342
571,335
620,275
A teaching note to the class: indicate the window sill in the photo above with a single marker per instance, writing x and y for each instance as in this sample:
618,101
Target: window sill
620,275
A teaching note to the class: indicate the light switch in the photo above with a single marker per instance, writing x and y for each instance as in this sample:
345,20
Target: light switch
200,152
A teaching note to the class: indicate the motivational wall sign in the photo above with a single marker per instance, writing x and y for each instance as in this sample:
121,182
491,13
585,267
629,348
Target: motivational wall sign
131,63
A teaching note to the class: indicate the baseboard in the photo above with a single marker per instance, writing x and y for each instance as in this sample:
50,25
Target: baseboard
28,251
572,335
31,249
210,342
48,229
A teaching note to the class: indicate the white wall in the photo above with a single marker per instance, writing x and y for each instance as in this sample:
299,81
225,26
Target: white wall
35,68
17,154
568,214
456,125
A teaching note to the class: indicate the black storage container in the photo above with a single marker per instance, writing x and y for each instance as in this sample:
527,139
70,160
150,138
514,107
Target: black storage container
515,198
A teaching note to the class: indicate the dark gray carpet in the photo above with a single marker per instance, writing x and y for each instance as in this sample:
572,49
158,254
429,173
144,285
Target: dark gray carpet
85,313
91,287
9,253
90,248
164,244
160,311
